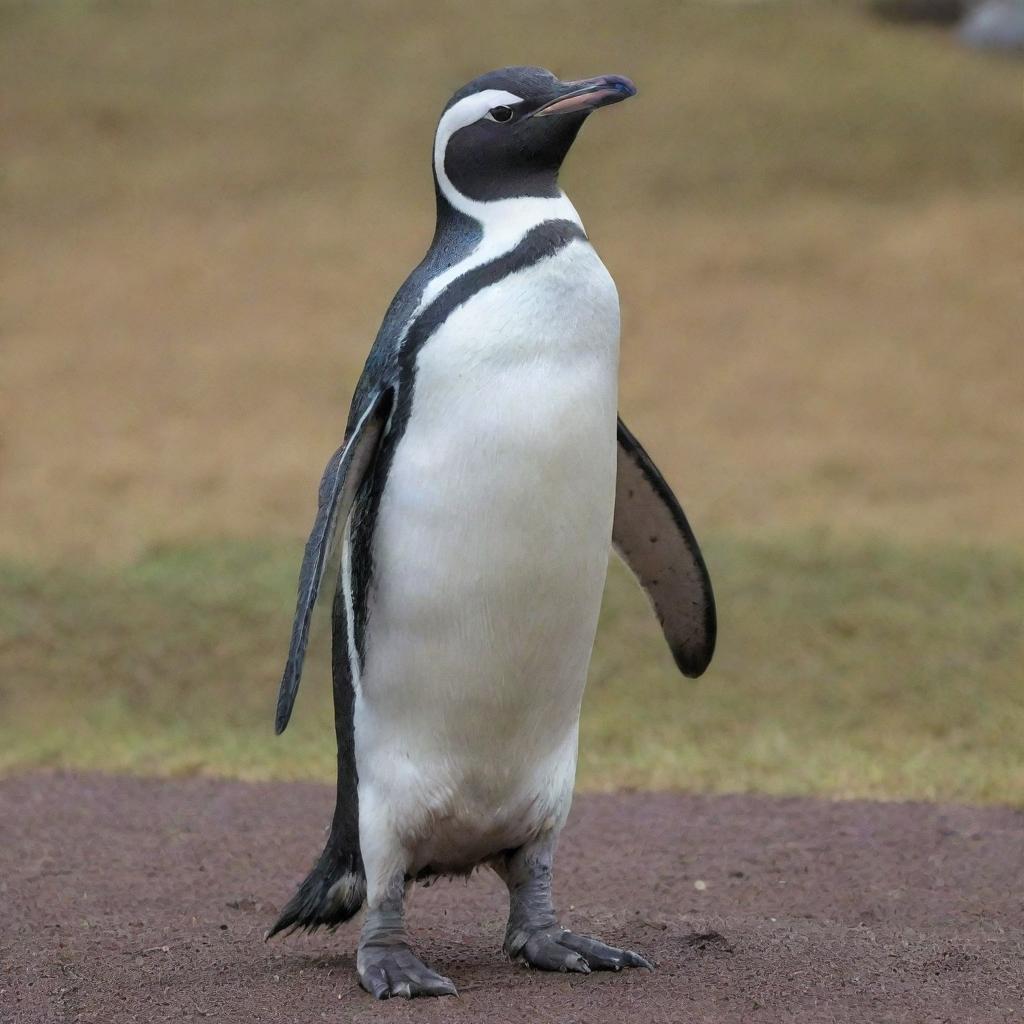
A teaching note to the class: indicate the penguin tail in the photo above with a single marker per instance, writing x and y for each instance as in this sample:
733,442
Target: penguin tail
333,892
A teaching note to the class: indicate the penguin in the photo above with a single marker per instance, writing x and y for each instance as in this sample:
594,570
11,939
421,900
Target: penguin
461,544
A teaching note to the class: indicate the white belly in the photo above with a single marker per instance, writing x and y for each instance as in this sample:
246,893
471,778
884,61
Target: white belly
490,553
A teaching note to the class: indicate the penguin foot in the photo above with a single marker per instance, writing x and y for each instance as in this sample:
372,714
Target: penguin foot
556,949
389,971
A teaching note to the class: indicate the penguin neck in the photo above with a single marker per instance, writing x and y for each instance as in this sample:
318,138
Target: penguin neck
471,232
508,218
499,219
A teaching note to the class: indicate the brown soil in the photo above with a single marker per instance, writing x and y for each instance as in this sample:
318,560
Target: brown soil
145,900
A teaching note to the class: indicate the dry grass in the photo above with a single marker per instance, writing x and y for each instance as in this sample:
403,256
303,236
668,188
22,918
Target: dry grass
850,670
815,223
814,220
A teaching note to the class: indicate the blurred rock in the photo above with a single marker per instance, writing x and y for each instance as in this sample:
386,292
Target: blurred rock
934,12
994,25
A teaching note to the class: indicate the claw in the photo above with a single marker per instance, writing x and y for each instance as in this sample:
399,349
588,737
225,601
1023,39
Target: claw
577,963
640,961
554,949
387,972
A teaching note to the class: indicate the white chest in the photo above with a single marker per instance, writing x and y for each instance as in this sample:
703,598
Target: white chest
510,448
490,553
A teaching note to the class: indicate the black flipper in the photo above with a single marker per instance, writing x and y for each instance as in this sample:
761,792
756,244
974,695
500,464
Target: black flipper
336,887
338,488
653,537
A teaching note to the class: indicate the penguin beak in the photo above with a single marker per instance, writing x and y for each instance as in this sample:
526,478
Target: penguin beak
587,95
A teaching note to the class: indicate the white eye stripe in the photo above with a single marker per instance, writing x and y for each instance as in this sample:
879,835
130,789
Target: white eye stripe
470,110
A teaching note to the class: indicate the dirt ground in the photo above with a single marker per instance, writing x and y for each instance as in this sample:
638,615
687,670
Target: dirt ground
143,900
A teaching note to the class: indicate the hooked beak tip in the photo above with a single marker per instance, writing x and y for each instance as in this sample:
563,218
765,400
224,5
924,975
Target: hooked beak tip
623,84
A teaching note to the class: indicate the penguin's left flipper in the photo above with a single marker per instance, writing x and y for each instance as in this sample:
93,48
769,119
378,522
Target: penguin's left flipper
652,535
338,488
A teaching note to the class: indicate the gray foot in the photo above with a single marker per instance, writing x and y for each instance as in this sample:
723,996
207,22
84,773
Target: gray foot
387,966
555,949
534,935
387,971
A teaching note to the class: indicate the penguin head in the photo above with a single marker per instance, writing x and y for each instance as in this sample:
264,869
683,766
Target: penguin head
506,133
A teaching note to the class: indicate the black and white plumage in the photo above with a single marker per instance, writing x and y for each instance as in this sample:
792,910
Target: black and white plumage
462,540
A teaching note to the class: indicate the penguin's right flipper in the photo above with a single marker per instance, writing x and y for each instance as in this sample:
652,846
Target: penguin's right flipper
652,535
338,488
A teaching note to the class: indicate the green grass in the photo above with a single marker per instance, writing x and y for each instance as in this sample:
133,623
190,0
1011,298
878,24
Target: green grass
814,221
844,670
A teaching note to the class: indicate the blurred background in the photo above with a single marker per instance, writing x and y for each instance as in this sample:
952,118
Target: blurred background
814,215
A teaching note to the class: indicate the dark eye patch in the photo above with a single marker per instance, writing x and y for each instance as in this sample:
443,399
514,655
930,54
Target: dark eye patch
500,114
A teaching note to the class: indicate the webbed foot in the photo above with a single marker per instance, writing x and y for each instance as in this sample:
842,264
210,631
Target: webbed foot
556,949
394,970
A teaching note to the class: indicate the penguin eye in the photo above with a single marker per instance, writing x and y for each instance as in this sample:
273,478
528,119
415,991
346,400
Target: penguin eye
500,114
